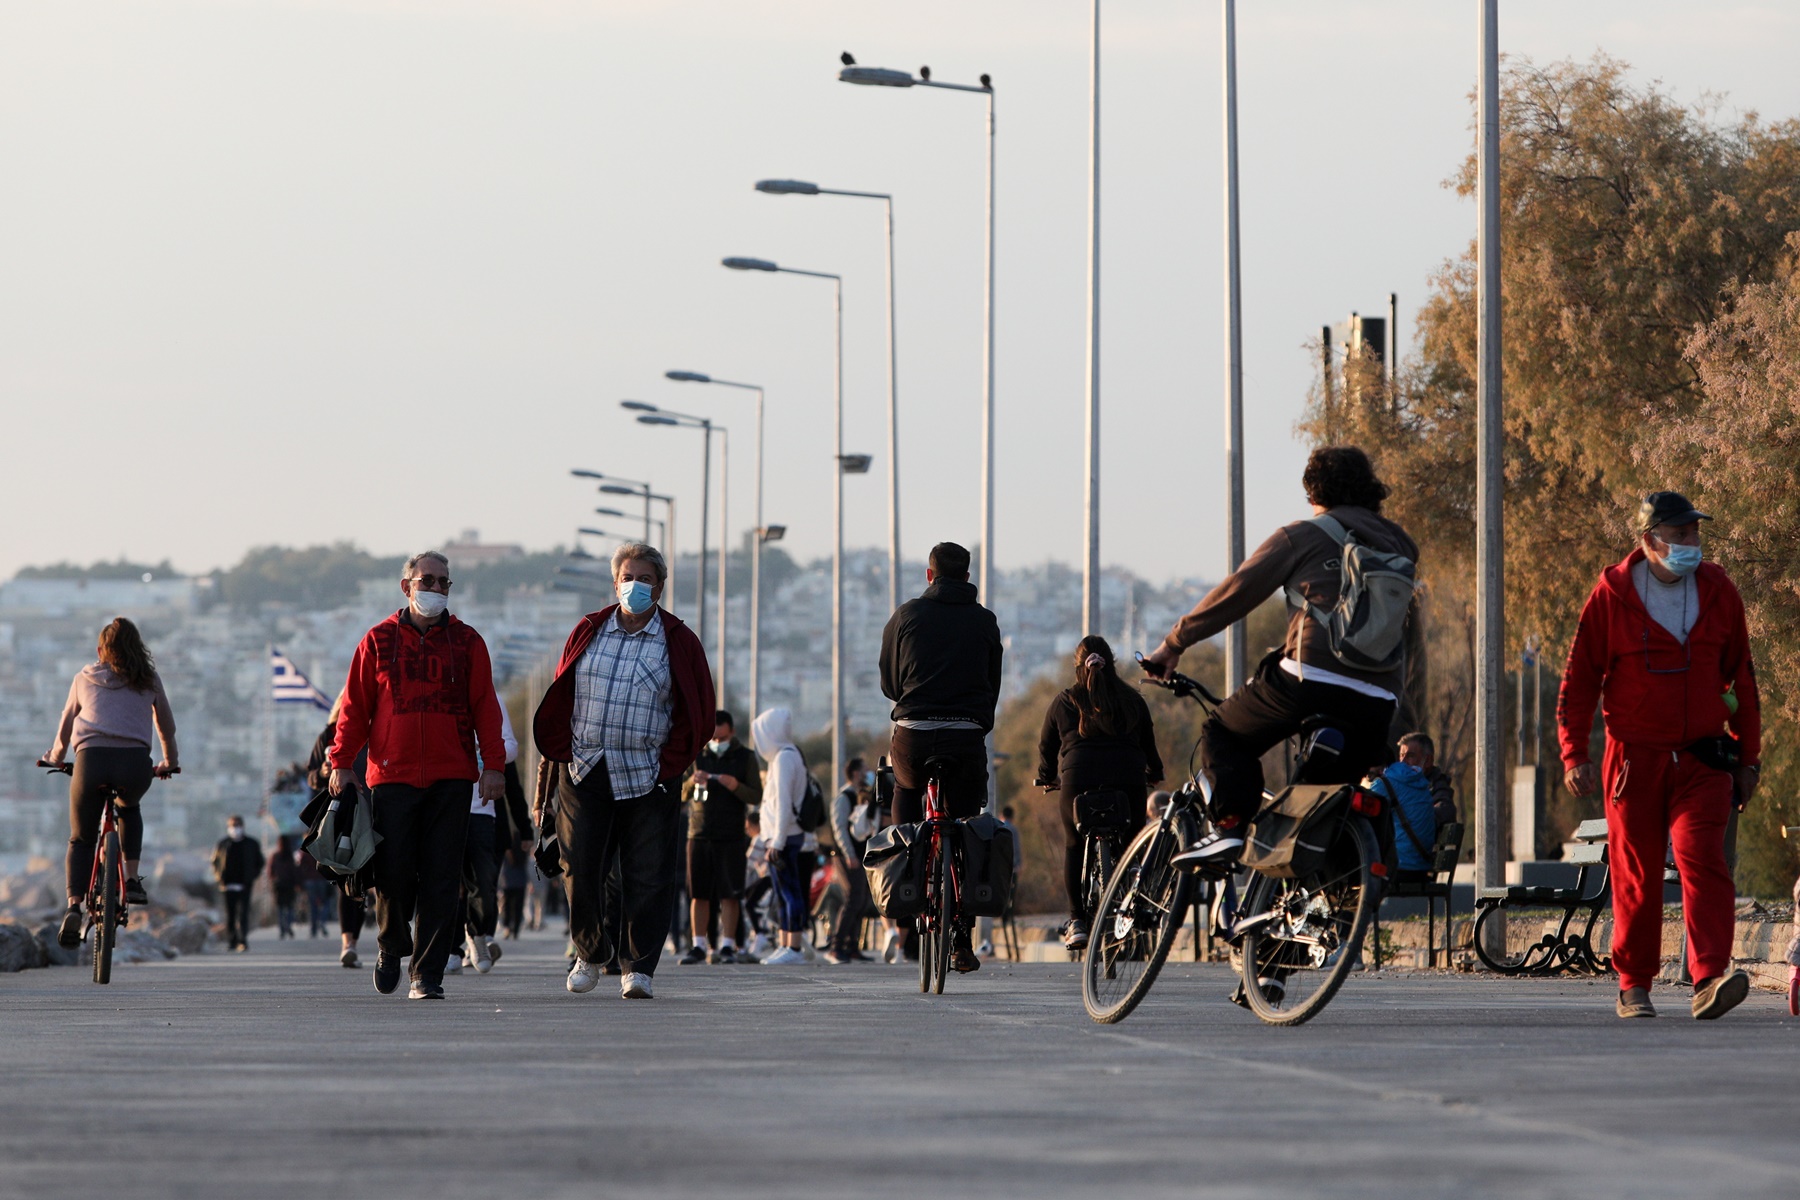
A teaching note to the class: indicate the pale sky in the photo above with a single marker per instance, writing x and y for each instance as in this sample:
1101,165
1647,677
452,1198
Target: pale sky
382,270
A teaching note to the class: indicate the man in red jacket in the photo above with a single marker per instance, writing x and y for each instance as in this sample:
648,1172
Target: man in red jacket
626,716
420,692
1663,646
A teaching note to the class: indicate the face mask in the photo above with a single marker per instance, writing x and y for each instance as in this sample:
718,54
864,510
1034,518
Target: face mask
1683,560
717,747
635,596
236,833
868,779
429,605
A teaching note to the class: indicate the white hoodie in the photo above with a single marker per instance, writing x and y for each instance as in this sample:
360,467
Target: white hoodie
784,783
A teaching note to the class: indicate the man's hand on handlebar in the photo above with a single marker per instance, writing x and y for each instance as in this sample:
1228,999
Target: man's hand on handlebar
1160,662
165,769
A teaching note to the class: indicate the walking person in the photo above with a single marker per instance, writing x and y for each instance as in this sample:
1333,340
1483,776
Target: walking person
853,823
1663,648
318,893
725,782
1097,736
420,699
784,787
492,823
284,885
237,863
625,717
352,906
114,706
515,878
940,665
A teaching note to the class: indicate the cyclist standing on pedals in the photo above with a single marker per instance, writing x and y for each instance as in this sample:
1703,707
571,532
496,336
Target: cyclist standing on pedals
114,704
1304,678
1097,736
940,665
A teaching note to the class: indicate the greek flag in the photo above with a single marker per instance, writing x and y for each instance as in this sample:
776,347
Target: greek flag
290,686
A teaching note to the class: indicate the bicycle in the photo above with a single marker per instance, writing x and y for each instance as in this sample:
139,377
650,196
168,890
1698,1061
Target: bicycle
1102,821
939,924
1310,927
106,907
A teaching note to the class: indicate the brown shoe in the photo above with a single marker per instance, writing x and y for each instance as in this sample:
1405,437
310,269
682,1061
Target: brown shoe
1715,997
1635,1002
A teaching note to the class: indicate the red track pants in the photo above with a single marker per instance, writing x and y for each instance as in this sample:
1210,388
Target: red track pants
1656,798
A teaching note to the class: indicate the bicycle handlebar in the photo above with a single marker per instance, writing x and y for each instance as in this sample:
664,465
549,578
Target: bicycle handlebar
1181,685
68,768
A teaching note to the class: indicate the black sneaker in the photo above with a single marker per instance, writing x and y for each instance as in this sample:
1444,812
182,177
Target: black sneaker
1215,851
387,972
1074,935
69,936
424,989
962,956
134,891
694,956
724,955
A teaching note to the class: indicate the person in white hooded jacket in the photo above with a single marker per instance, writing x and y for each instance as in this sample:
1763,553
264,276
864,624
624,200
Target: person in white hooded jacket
784,787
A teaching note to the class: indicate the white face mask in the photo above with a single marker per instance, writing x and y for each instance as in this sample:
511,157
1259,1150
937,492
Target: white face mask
717,747
235,833
429,605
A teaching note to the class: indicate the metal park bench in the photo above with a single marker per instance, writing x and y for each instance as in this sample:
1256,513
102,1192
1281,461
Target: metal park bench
1569,945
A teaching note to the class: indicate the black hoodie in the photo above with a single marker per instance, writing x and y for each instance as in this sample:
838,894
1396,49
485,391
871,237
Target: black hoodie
940,657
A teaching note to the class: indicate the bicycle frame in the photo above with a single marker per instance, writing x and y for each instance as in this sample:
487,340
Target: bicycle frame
939,822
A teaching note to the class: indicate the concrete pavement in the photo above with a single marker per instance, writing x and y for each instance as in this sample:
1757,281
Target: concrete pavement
277,1073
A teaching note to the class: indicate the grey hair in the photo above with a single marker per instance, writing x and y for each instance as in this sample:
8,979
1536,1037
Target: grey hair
645,552
412,564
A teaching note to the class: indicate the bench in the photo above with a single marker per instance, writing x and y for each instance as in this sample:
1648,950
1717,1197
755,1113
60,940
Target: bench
1568,946
1431,886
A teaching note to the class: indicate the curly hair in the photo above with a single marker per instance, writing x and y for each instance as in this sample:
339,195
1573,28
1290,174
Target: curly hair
122,648
1337,475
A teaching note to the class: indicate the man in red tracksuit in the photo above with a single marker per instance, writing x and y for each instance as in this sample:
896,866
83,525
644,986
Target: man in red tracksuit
419,695
1663,646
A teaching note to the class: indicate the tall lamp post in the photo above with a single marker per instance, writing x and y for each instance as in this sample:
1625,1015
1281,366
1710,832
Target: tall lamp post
795,187
756,542
1490,433
1090,551
837,504
650,414
1236,647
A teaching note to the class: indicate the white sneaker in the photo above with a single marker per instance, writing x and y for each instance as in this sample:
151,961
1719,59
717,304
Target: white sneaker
807,953
453,965
890,950
787,956
635,985
477,953
584,976
760,946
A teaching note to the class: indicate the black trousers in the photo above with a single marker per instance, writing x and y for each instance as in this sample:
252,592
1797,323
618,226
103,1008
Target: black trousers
352,912
512,909
479,908
98,771
1075,846
964,786
237,917
644,834
418,868
1271,707
847,933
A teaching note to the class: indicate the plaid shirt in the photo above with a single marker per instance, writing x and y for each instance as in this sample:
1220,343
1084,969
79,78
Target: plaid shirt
623,699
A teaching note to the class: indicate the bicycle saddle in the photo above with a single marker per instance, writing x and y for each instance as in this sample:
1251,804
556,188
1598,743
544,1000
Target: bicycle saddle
938,766
1321,752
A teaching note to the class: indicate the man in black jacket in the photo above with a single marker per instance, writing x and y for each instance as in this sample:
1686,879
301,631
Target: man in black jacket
237,863
940,665
726,784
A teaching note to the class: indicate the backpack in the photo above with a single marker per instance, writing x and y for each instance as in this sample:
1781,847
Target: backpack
811,813
1365,628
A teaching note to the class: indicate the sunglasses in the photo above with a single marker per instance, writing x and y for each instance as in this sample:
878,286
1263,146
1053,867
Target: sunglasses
432,583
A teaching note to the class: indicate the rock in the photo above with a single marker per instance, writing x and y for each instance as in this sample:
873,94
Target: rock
19,948
185,935
55,953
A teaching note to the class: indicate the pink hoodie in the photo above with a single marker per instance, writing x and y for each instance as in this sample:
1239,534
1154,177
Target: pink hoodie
103,712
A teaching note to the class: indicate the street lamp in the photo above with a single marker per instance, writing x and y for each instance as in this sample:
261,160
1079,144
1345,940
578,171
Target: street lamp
883,77
796,187
837,486
622,487
757,543
650,414
662,526
626,487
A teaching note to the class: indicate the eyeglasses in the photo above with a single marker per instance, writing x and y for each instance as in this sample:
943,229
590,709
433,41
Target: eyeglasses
432,583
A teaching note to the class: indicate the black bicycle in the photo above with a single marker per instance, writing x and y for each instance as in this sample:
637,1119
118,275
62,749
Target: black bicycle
1294,939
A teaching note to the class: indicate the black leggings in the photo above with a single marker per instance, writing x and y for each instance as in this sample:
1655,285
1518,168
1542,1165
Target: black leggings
99,771
1075,846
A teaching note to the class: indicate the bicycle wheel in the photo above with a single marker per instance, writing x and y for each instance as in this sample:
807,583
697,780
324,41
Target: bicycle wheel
922,935
1305,934
108,925
1136,921
946,914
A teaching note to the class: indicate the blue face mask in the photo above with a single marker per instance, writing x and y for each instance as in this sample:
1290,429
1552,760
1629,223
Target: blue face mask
635,596
1682,560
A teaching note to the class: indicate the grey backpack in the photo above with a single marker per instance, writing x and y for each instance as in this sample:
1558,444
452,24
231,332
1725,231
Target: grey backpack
1365,629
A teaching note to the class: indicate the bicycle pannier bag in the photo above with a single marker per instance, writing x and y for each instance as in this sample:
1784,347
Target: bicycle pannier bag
1098,814
1289,837
1365,628
987,866
894,861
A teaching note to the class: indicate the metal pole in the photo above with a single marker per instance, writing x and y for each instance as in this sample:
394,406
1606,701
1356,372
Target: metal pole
669,550
705,505
1393,337
837,547
987,435
893,428
1490,835
724,546
756,571
1090,553
647,513
1236,653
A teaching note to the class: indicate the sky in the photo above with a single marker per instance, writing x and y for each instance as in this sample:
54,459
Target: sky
300,271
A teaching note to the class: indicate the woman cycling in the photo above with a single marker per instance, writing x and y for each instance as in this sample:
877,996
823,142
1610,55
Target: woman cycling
113,705
1097,736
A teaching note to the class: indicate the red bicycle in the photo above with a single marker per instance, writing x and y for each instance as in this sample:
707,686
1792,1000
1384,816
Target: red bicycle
941,920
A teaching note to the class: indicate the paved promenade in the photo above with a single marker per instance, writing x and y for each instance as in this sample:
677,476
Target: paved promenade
278,1074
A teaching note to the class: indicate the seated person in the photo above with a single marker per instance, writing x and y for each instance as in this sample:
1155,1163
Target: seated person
1412,783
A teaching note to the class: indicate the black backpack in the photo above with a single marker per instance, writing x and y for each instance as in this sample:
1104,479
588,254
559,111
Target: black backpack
811,814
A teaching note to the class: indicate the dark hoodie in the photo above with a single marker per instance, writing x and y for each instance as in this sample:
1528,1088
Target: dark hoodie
940,657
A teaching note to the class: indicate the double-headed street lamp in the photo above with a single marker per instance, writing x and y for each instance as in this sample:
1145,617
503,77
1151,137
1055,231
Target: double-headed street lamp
650,414
837,485
883,77
795,187
761,534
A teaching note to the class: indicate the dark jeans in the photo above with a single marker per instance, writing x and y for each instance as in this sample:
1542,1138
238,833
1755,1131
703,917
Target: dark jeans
97,771
418,868
318,892
479,908
1271,707
512,909
846,935
643,835
964,786
237,918
284,910
793,881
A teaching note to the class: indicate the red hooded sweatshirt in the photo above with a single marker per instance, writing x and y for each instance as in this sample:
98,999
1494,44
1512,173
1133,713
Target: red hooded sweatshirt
1653,690
418,700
